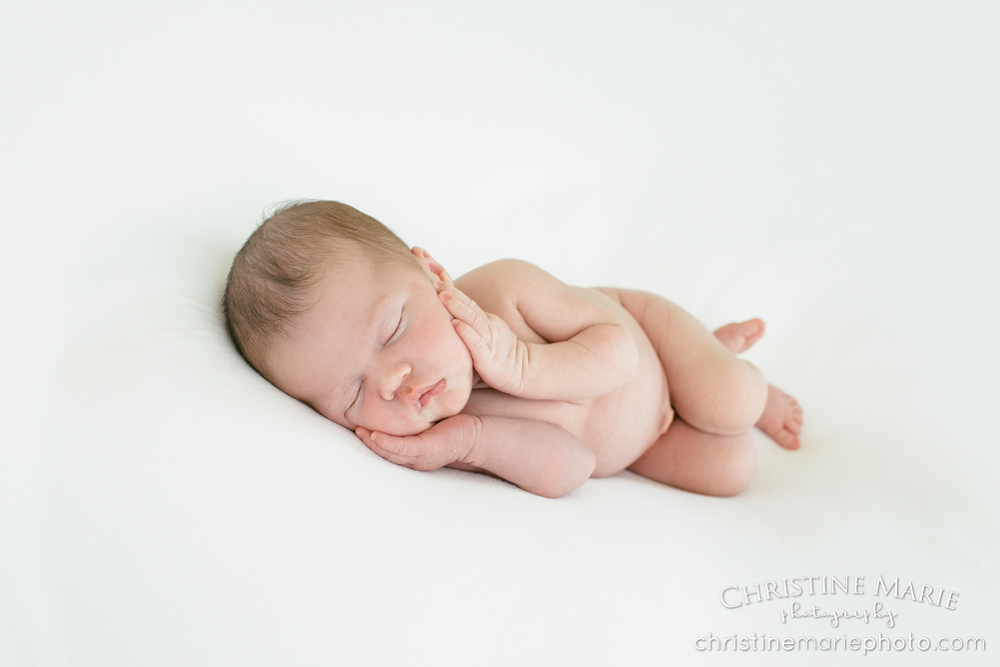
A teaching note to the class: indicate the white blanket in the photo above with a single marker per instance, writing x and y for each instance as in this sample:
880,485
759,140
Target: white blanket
832,171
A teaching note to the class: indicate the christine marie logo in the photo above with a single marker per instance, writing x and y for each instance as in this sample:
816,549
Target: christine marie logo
799,590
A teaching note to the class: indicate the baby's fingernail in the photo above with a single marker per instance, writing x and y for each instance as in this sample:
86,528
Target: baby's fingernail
445,296
372,436
438,284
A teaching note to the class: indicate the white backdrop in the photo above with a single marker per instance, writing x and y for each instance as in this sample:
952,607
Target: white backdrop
832,170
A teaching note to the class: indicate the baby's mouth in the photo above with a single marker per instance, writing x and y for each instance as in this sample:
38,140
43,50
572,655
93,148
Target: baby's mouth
436,390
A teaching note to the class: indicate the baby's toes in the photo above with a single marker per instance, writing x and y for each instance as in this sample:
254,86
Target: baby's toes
793,441
753,330
787,439
794,414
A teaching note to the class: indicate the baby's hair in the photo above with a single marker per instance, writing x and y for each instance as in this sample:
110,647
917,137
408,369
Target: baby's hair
276,270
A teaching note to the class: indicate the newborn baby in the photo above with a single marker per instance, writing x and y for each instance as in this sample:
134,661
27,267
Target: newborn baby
505,371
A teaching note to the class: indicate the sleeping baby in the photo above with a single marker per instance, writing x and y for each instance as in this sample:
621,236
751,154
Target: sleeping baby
505,371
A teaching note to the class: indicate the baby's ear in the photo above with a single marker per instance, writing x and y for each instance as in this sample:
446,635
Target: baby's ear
433,269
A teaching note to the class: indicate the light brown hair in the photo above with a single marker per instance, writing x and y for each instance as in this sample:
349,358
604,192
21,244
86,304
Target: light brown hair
275,272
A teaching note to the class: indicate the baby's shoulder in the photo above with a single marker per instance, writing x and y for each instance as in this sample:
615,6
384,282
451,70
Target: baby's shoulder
508,270
507,288
504,279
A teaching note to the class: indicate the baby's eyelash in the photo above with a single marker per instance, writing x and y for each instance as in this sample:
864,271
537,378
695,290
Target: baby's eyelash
399,328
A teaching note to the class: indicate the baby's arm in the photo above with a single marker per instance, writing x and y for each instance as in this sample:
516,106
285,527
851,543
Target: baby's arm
541,458
592,351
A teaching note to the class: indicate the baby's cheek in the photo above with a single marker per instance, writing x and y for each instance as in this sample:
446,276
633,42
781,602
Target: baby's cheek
456,403
403,425
382,422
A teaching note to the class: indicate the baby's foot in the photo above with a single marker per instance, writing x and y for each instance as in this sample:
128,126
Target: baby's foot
740,336
782,418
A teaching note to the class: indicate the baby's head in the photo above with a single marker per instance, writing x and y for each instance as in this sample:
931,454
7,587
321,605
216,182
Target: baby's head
335,310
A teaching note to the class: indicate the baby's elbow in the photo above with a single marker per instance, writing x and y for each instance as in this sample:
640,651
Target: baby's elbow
626,359
558,488
557,481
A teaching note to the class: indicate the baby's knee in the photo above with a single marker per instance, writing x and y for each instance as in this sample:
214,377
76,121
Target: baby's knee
739,467
738,400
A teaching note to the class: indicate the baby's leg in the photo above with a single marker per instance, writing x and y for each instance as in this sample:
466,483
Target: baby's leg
710,388
689,459
782,418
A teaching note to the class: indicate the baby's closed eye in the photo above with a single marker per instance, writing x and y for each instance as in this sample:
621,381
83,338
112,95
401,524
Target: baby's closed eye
397,331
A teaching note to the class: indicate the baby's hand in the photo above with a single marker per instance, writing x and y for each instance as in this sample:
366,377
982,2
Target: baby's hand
498,356
448,441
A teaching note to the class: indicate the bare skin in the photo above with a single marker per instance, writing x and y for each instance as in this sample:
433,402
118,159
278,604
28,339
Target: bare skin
558,383
782,418
740,336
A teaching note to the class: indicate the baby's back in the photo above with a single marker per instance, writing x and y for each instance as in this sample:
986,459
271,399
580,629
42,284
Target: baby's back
618,426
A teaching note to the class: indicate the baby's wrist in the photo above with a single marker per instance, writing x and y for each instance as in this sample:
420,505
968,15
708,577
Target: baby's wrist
512,374
470,439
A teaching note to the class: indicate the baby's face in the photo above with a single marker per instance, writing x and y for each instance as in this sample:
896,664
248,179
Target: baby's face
378,351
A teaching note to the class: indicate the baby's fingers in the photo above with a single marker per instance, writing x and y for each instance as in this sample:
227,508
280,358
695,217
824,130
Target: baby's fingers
480,351
412,451
466,310
389,447
463,297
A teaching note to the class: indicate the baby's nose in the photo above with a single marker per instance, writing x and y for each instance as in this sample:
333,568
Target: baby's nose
392,380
